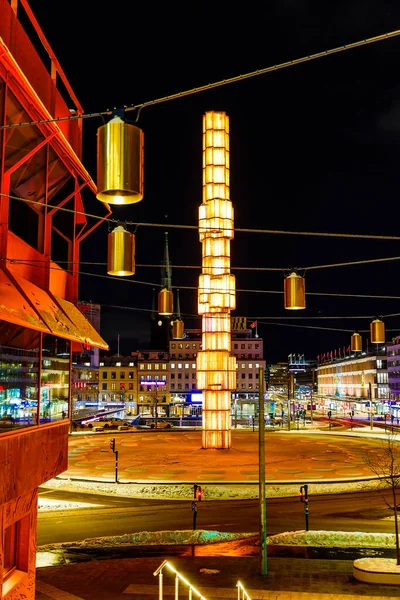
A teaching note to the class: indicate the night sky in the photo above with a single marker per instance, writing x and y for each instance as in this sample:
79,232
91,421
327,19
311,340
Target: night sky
314,148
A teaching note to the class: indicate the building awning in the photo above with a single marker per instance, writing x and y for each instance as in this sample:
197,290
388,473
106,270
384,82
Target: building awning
87,332
28,305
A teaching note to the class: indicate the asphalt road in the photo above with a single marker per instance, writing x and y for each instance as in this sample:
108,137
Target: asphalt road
117,516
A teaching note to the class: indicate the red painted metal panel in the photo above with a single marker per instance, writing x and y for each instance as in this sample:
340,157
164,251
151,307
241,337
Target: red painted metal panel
49,311
87,331
14,308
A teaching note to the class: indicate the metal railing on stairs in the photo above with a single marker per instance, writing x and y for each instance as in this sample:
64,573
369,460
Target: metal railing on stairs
189,588
242,594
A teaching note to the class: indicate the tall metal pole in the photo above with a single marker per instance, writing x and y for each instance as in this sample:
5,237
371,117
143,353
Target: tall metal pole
289,401
371,416
156,406
261,476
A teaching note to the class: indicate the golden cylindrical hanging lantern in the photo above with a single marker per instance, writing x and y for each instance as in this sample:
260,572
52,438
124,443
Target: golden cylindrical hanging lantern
178,329
121,252
165,302
356,342
294,292
119,163
377,331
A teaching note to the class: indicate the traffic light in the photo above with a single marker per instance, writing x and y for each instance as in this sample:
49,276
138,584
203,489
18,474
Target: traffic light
112,444
198,492
303,493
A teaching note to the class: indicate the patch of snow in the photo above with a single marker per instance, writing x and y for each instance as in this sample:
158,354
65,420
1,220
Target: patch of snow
155,538
47,504
333,539
378,565
226,491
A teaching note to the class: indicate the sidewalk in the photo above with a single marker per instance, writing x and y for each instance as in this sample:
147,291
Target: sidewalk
287,578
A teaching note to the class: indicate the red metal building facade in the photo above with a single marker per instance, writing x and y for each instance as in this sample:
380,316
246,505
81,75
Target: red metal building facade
43,192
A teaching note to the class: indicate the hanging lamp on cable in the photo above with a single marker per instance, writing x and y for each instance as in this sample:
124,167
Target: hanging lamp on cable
356,342
294,292
377,331
165,302
119,162
121,252
178,328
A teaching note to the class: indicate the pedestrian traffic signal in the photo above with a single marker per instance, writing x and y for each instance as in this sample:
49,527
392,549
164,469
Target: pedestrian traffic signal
112,444
303,493
198,492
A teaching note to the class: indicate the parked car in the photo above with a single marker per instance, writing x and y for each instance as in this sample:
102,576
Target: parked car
161,424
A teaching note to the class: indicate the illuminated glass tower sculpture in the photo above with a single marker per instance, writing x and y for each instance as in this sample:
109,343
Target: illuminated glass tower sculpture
216,368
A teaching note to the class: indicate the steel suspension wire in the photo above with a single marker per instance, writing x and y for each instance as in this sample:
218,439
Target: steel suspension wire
237,229
210,86
196,288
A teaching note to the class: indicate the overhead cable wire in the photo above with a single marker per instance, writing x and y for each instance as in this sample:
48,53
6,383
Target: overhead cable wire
216,84
308,327
164,226
211,289
232,267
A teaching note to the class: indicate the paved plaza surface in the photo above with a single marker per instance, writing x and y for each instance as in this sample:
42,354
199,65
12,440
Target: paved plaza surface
287,578
177,456
171,455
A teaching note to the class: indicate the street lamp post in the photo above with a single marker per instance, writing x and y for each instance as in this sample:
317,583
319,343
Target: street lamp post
371,416
261,476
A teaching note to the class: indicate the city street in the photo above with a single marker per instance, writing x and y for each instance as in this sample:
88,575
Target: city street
111,516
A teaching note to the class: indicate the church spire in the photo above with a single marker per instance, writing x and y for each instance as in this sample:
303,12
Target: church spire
166,267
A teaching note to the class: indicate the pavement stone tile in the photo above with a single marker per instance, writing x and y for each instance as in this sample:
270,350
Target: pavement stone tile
122,579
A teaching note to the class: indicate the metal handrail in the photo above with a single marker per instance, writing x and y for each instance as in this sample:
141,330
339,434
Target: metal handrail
242,594
178,577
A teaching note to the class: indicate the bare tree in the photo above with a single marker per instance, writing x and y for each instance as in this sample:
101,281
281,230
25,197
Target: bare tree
386,465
